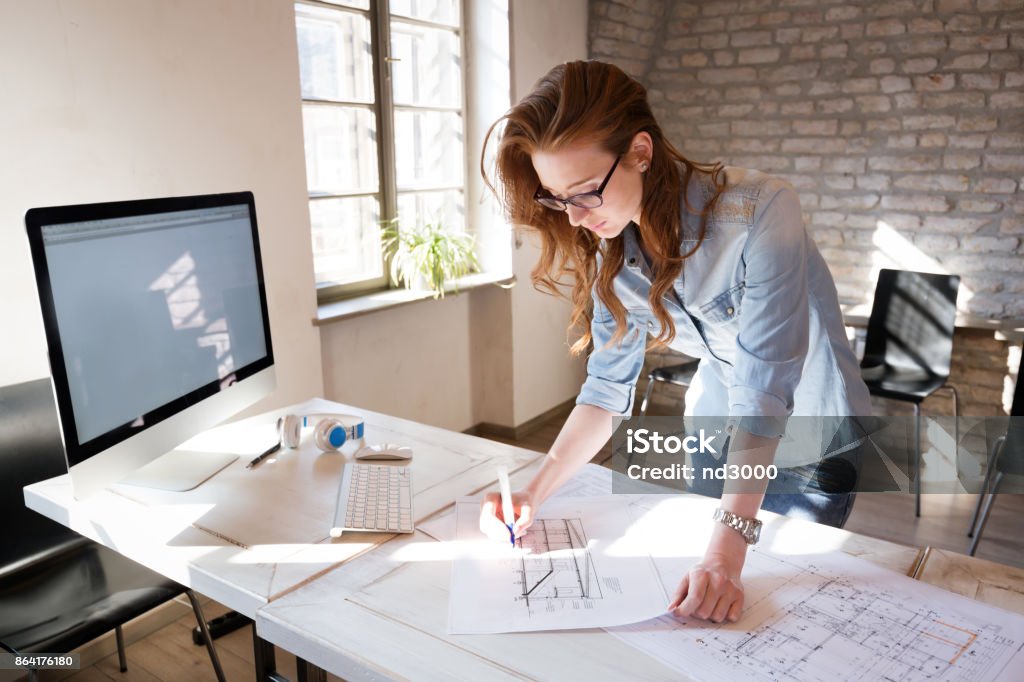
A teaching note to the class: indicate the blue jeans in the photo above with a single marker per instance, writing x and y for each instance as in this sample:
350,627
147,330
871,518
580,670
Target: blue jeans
823,493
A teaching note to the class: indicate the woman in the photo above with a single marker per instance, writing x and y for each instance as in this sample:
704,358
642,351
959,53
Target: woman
710,261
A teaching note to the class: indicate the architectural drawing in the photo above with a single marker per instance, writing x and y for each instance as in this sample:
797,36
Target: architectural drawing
831,618
556,565
846,630
563,574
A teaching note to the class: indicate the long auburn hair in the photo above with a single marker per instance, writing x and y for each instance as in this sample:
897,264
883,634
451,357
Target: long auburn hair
595,101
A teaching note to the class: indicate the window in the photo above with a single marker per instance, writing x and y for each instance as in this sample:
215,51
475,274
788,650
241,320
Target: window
382,109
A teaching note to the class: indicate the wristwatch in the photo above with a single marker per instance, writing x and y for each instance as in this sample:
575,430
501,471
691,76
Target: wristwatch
750,529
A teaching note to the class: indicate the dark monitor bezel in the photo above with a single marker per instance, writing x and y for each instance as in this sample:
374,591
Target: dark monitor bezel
37,218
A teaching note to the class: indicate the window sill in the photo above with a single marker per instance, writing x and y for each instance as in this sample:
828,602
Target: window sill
392,298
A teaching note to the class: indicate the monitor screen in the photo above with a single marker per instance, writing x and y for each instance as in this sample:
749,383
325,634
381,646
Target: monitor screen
150,308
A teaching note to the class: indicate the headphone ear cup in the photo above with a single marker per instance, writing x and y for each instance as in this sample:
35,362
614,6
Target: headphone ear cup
289,429
329,435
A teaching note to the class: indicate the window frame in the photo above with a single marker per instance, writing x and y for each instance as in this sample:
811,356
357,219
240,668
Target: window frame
384,108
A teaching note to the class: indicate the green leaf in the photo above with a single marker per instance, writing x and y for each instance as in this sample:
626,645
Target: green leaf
431,251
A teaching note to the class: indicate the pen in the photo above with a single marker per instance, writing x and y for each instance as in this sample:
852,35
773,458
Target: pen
266,453
506,503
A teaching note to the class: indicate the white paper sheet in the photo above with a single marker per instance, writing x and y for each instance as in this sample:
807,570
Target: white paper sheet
560,576
825,618
591,480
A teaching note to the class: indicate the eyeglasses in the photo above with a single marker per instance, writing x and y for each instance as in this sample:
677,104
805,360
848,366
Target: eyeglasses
585,200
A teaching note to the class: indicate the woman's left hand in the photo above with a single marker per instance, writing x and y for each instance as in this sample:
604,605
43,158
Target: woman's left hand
712,590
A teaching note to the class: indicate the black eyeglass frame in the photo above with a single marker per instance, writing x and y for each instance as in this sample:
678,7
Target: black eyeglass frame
540,195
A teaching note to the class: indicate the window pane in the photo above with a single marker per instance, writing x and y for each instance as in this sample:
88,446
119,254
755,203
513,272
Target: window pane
346,240
335,61
341,149
438,11
428,149
420,208
428,70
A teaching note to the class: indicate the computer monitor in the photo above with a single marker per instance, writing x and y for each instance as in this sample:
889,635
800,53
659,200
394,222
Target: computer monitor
156,320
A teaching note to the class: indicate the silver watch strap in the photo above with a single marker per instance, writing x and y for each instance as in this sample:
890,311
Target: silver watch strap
750,529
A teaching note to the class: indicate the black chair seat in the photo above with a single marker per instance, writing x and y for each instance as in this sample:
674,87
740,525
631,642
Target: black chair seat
680,375
75,596
907,386
59,590
57,547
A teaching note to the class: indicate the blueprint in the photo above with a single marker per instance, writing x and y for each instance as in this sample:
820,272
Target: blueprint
561,574
828,618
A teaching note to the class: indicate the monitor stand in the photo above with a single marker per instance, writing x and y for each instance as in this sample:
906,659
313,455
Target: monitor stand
179,470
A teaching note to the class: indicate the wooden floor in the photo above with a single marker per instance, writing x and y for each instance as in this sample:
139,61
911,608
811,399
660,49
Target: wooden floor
168,654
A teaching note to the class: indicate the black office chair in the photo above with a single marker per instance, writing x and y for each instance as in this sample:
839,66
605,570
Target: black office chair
59,590
680,375
1006,457
909,345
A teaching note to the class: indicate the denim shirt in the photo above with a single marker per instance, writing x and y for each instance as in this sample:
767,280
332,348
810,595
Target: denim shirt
755,303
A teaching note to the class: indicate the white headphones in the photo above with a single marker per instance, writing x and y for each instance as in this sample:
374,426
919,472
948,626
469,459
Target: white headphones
330,431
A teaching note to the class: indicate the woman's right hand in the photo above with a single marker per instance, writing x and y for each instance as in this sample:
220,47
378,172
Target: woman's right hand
492,521
585,432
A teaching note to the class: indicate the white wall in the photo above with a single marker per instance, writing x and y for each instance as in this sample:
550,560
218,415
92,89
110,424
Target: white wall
543,34
109,100
412,362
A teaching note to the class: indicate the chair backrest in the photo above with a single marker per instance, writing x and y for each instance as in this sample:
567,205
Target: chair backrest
1017,407
1011,461
31,450
912,322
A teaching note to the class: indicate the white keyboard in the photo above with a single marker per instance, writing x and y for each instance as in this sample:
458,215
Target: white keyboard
374,497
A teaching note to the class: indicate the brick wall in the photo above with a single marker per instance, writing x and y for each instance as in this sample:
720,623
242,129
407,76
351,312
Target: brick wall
900,123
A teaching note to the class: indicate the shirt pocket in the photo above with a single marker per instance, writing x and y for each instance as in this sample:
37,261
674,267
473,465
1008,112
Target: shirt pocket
725,307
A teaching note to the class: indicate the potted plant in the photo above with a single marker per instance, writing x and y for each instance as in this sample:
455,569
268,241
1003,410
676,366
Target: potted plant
428,256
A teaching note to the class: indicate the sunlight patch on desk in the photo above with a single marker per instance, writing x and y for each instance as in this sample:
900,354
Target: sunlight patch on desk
794,537
450,550
239,438
673,526
183,514
284,554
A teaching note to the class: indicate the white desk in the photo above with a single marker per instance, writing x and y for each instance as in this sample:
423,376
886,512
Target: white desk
366,606
247,537
385,616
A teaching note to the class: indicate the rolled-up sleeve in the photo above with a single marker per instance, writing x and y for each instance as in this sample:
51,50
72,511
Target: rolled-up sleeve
774,323
612,370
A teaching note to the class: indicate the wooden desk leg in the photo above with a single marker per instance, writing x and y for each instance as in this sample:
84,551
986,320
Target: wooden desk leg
263,656
309,672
